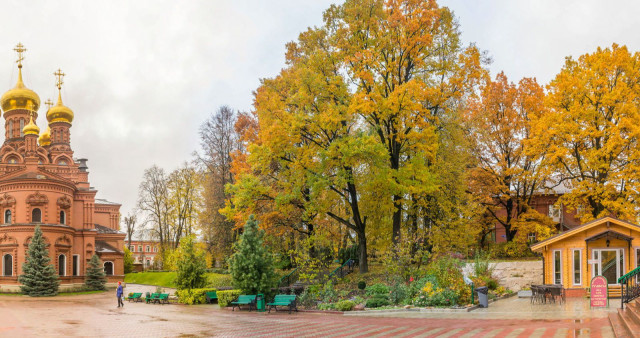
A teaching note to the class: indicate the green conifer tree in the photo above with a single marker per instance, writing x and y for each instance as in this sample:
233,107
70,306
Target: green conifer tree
191,265
95,278
39,277
251,265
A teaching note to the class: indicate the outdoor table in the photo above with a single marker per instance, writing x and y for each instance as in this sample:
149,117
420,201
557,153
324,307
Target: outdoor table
553,290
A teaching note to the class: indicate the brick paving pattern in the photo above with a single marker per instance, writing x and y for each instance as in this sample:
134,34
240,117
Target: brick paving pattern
97,316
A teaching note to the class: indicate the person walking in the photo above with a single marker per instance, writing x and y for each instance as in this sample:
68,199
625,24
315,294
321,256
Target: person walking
119,294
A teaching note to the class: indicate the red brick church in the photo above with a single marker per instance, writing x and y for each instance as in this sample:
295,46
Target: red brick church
41,183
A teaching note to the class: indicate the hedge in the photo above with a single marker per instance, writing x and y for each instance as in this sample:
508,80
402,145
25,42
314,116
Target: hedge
193,296
226,297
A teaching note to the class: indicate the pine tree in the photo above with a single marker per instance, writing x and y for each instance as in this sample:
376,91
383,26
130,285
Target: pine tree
191,265
39,277
95,278
251,265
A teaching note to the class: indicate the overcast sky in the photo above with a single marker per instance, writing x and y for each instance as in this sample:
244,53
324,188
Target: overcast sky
143,75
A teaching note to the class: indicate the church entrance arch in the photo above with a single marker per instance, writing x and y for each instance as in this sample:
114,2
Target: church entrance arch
108,268
7,265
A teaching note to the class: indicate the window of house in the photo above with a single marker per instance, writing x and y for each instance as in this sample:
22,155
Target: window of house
155,249
531,237
557,267
132,248
36,215
577,267
108,268
7,217
63,217
76,265
147,249
7,265
140,248
554,213
62,265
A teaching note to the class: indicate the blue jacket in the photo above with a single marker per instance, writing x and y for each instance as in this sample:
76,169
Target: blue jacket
119,291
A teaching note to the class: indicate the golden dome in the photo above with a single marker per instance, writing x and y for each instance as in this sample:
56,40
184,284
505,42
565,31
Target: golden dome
31,128
20,97
45,138
59,112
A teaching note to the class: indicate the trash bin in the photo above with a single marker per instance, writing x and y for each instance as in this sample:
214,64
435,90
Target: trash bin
483,293
260,303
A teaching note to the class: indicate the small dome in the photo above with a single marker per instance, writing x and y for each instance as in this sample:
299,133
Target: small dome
60,112
20,97
31,128
45,138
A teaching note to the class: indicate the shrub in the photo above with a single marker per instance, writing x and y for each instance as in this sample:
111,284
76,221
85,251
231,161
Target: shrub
345,305
362,285
228,296
127,260
431,295
448,274
326,306
377,301
399,293
328,293
193,296
377,289
307,298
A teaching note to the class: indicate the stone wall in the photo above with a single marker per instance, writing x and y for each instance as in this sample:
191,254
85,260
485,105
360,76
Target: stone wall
513,275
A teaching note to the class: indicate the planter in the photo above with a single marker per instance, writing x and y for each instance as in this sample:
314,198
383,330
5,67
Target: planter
524,294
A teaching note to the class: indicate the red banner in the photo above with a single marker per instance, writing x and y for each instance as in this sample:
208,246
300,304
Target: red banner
599,296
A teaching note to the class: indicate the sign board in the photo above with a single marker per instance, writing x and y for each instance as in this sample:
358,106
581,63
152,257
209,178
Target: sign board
599,292
593,261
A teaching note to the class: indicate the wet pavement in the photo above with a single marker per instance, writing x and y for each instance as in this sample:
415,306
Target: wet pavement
96,315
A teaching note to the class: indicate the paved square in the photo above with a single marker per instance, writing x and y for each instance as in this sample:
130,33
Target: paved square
97,316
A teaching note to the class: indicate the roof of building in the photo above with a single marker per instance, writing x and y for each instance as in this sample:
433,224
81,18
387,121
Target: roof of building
104,247
105,230
584,227
104,201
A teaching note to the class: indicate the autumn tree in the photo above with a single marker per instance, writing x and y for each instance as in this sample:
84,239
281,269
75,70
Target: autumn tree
153,200
405,60
219,140
590,132
130,226
505,176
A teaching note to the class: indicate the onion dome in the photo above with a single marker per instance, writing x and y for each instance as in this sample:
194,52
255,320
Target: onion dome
20,97
45,138
31,128
59,112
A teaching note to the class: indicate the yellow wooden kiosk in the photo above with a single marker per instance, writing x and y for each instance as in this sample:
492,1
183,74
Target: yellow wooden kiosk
607,246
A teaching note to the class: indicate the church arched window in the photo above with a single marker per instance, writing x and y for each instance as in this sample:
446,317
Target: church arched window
21,127
7,265
108,268
7,216
63,218
62,265
36,215
10,128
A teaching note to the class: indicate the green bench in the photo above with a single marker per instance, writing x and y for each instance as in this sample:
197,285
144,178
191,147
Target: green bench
152,298
163,298
244,300
135,297
283,300
211,296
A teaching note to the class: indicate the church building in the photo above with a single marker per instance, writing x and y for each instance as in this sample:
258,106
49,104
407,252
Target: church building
41,183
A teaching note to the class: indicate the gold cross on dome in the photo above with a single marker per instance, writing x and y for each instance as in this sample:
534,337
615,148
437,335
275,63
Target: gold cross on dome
60,75
20,49
49,103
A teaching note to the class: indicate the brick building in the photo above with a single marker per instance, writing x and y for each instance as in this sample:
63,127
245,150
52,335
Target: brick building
144,252
545,203
42,184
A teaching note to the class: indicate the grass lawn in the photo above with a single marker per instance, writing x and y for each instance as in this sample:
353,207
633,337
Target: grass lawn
166,279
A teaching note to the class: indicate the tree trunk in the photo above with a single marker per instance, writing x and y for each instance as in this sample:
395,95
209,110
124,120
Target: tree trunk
397,219
362,246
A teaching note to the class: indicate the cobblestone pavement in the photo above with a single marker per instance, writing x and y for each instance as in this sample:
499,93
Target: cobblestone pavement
97,316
